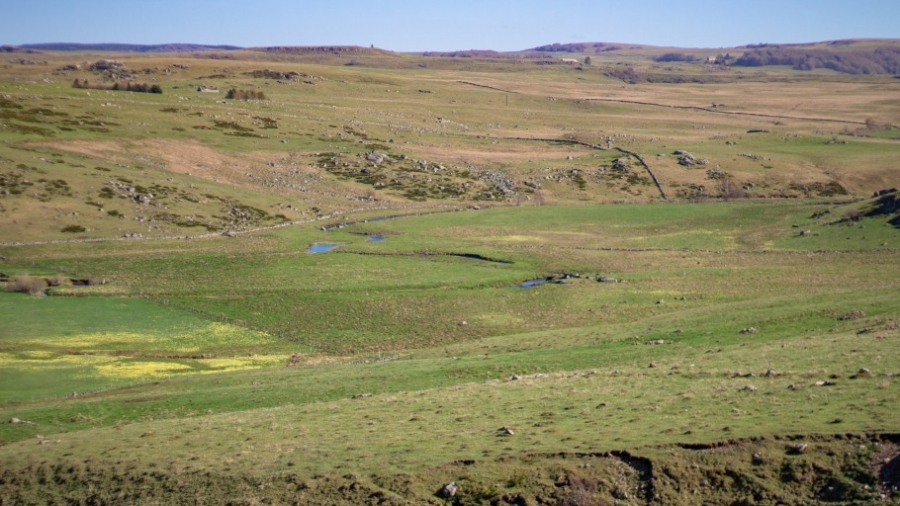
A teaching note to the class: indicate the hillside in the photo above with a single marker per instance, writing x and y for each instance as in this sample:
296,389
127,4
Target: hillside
350,276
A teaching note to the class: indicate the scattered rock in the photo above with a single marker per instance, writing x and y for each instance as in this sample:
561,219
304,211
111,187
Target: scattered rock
620,165
361,396
716,174
515,377
605,279
749,330
463,323
825,383
805,233
505,431
686,159
18,421
749,388
603,404
864,371
102,65
771,373
658,341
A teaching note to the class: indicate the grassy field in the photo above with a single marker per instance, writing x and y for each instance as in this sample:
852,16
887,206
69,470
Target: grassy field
678,352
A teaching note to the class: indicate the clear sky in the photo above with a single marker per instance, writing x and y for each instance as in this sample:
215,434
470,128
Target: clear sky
438,25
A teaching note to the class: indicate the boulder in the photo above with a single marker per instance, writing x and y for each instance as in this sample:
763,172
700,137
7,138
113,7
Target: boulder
375,157
449,490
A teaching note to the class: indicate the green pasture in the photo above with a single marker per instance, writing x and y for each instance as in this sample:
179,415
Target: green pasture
211,341
691,274
72,345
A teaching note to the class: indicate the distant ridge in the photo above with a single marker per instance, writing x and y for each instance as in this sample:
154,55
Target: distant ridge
322,49
126,48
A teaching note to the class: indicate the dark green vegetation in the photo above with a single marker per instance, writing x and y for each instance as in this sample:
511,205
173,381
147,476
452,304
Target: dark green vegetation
170,339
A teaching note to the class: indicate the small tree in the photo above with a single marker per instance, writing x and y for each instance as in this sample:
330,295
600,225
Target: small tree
587,60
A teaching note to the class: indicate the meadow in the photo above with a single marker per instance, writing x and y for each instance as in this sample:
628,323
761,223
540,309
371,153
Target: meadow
732,343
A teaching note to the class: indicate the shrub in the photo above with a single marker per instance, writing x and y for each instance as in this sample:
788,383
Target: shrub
235,94
97,281
59,280
27,284
729,190
129,86
74,229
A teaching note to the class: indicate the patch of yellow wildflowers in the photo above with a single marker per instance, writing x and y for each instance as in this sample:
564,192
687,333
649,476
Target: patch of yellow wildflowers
178,340
141,370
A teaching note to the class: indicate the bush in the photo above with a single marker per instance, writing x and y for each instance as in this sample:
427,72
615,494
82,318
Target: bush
26,284
128,86
59,280
74,229
235,94
729,190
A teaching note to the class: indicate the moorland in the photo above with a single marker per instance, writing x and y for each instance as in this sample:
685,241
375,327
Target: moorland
578,275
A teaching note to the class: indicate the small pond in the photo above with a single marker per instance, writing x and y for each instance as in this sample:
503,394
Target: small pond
533,282
321,247
376,238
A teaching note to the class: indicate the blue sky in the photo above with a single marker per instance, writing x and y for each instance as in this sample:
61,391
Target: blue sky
436,25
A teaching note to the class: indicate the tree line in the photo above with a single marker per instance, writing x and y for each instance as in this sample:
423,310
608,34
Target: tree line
884,60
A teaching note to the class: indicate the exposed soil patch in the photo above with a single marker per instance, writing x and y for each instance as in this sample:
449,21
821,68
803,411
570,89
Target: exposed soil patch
886,463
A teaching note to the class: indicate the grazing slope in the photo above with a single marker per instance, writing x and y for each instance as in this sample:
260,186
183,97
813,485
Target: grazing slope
714,321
